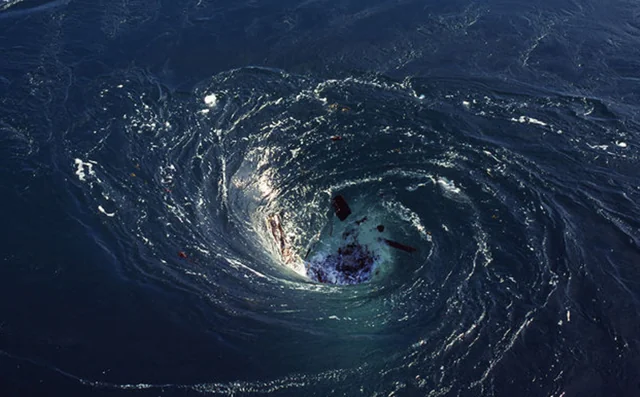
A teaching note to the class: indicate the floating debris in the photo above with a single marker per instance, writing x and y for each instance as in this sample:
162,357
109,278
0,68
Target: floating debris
399,246
341,207
335,107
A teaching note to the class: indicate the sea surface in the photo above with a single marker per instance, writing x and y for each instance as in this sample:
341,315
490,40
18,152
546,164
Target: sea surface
145,144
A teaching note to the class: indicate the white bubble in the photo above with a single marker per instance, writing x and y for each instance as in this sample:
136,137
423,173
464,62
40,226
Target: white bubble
211,100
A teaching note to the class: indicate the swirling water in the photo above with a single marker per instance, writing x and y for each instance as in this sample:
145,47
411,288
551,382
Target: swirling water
145,145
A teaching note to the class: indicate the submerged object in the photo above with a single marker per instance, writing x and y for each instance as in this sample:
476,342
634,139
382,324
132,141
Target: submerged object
341,207
352,264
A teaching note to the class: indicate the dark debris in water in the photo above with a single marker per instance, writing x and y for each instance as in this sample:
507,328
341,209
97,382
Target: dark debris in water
341,207
399,246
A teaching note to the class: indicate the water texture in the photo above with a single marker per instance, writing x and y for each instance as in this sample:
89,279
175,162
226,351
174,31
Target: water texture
145,145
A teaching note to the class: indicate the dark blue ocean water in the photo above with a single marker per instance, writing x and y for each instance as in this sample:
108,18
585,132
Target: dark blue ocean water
145,143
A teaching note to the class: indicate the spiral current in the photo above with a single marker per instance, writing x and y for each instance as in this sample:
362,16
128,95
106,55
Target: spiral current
459,170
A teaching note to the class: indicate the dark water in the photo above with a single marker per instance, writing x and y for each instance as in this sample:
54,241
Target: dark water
499,138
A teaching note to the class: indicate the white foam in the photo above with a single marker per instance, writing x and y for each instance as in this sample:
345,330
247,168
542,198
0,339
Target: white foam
488,153
211,100
409,216
84,168
415,187
448,186
602,147
111,215
239,265
530,120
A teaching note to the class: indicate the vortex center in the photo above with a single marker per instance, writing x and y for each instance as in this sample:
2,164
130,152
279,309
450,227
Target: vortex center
351,255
